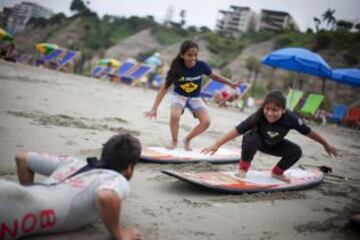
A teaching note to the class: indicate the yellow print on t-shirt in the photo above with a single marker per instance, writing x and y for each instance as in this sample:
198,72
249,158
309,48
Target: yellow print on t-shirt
189,87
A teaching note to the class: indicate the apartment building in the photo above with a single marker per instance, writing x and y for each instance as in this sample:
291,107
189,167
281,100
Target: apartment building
235,21
22,13
270,20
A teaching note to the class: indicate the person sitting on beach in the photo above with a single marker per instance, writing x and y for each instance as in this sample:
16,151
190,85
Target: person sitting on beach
225,95
265,130
74,194
8,52
186,74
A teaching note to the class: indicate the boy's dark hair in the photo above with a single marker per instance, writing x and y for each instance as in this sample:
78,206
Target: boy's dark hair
120,152
178,62
276,97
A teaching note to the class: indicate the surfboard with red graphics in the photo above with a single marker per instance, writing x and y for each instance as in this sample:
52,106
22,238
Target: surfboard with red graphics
179,155
255,181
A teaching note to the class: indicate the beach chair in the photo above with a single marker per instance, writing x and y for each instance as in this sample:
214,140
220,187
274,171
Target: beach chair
352,117
210,88
311,105
24,58
293,98
158,80
96,71
51,56
338,113
104,73
123,70
69,56
140,71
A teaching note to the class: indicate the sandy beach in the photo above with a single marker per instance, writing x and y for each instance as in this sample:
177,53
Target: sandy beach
47,111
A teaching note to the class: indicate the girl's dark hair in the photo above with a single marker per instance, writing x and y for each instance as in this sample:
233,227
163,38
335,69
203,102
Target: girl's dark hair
276,97
120,152
178,62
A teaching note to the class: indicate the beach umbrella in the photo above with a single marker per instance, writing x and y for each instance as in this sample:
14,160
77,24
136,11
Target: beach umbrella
299,60
349,76
46,48
6,36
109,61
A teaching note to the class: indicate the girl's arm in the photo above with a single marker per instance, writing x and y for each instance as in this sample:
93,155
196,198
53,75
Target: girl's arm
328,148
229,136
222,79
159,97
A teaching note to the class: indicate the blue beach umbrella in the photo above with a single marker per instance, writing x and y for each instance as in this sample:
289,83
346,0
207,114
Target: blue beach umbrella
299,60
349,76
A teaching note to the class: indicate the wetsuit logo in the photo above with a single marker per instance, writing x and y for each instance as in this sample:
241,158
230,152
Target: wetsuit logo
189,87
272,134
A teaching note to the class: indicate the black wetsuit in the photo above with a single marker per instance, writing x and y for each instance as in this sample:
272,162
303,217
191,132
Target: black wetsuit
269,138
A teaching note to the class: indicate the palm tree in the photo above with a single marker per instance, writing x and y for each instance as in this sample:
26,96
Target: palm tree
328,16
317,23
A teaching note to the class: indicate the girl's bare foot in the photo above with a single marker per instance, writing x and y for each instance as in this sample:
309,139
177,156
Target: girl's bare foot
172,146
281,177
187,145
240,174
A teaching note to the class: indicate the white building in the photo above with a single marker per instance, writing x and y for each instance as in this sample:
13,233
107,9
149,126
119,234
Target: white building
21,14
235,21
275,21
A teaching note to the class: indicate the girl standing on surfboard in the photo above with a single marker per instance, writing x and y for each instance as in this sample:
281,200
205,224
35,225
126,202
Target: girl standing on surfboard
265,131
185,74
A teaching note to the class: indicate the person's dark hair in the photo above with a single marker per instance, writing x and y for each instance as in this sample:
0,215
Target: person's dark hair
276,97
120,152
178,62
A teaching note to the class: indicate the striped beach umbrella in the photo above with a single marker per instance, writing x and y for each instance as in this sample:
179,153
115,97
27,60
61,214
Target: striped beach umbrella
6,36
46,48
109,61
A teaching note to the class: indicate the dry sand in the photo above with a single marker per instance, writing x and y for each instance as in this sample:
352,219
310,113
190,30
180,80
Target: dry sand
47,111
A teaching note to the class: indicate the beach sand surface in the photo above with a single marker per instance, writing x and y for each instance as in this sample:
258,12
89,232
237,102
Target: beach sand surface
47,111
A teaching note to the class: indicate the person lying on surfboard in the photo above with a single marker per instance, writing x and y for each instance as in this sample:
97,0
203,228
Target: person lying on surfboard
265,131
75,193
186,74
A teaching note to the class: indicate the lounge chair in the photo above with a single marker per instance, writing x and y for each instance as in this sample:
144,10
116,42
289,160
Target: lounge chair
24,58
140,71
210,88
158,80
47,58
352,117
123,70
104,73
69,56
311,105
292,99
338,113
96,71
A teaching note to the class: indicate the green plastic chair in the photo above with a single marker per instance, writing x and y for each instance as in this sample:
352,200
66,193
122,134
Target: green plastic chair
292,99
312,104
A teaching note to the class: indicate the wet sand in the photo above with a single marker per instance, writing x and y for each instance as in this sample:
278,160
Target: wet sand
47,111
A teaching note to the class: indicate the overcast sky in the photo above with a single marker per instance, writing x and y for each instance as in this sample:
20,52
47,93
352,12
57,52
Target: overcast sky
205,12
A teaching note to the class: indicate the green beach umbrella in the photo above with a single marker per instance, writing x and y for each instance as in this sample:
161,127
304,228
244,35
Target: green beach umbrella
46,48
6,36
106,61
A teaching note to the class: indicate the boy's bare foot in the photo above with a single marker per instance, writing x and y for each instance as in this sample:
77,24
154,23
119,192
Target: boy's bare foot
187,145
240,174
172,146
281,177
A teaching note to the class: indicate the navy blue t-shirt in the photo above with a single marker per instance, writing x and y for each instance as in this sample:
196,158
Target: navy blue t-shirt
189,82
274,133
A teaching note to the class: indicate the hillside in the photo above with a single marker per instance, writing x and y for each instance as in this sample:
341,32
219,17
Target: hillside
121,38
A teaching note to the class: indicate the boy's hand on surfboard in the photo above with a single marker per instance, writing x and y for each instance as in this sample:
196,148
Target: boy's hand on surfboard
151,114
212,149
330,150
